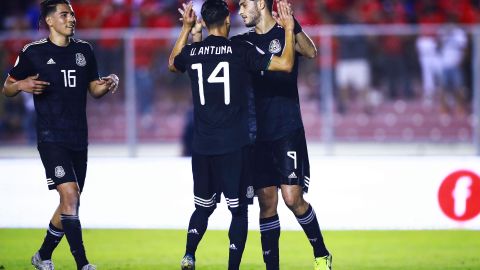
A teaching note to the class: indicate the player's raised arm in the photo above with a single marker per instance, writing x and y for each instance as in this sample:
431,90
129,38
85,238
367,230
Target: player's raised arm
189,19
286,61
31,84
100,87
304,44
196,29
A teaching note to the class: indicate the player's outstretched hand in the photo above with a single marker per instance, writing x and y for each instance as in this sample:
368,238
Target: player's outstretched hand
33,85
275,14
189,18
182,11
197,28
111,81
284,16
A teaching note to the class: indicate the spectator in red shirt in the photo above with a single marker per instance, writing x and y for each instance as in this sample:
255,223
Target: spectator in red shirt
116,15
310,13
153,14
369,11
88,11
428,12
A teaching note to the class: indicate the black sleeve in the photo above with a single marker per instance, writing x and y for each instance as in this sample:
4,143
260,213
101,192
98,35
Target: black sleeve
23,67
92,66
180,61
255,59
237,38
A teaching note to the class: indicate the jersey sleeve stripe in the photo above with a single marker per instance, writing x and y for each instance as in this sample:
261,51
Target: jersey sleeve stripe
38,42
82,41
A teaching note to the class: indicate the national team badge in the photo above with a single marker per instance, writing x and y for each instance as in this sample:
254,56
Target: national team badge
275,46
250,192
59,172
80,60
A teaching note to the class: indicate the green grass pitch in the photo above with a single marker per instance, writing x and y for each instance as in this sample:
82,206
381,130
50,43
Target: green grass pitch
163,249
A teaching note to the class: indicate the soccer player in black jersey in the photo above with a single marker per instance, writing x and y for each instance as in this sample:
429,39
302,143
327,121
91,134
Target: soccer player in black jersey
58,71
219,71
281,158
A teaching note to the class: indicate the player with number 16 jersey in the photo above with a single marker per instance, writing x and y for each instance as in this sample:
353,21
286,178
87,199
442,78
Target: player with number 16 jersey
61,109
59,71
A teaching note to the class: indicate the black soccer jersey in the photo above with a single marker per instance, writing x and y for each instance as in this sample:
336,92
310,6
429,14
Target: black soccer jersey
219,72
277,104
61,108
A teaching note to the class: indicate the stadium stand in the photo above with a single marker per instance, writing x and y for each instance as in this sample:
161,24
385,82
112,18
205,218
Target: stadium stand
393,109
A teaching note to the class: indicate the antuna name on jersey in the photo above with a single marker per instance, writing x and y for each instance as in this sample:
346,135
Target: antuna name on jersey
211,50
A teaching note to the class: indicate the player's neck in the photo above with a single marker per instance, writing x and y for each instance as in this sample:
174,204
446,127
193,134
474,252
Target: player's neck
219,32
59,40
265,24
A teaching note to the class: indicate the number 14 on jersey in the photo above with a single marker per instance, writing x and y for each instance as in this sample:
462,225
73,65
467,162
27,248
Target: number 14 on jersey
214,78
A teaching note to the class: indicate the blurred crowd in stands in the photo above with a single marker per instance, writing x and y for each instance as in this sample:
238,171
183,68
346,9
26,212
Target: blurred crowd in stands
432,67
163,13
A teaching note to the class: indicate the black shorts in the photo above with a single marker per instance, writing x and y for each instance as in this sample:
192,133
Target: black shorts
282,162
229,174
63,165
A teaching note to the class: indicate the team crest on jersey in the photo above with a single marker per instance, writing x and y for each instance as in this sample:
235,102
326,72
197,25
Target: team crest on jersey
250,192
275,46
59,172
80,59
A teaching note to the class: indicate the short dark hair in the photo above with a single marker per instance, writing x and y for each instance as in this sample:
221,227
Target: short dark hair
269,4
49,6
214,12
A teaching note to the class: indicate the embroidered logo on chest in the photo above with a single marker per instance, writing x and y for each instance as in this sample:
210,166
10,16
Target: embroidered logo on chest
275,46
80,60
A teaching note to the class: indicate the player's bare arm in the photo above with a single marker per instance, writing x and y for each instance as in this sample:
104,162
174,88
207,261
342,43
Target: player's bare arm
196,29
189,19
99,88
31,84
304,44
285,19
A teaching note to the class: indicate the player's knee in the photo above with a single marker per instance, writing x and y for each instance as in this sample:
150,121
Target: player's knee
293,202
69,200
268,203
267,194
70,206
268,208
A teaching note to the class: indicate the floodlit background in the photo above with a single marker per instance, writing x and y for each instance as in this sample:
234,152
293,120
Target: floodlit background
376,87
391,110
